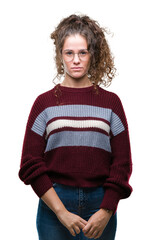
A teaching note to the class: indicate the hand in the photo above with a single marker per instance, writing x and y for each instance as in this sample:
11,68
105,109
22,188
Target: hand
71,221
96,224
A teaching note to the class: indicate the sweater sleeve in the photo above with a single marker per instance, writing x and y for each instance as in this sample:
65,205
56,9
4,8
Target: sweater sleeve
33,170
117,184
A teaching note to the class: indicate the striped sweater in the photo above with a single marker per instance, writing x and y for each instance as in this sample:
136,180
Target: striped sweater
82,142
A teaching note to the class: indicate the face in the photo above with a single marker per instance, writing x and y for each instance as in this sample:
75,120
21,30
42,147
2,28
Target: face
76,58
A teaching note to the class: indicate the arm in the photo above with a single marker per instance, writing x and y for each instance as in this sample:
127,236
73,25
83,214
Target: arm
117,184
53,201
33,170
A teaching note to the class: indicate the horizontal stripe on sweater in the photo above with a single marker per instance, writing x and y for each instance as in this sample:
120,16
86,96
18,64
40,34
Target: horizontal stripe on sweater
78,138
78,110
60,123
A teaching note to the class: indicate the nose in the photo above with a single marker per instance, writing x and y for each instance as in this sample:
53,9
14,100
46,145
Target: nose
76,58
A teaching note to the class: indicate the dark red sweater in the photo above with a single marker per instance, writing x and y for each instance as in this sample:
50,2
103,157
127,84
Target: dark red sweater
82,142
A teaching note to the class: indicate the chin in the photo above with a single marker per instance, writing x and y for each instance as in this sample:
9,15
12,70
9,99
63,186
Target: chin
80,76
77,75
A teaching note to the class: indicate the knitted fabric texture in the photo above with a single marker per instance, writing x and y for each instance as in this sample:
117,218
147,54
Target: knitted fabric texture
83,142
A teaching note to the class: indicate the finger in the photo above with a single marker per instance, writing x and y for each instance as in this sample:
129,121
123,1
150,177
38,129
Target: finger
89,233
95,234
98,235
86,228
72,232
83,221
81,225
77,229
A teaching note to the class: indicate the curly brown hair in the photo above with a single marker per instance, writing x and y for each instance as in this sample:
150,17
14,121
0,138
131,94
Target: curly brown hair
102,69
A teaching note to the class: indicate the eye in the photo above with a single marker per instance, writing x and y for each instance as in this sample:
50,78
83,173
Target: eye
83,53
69,53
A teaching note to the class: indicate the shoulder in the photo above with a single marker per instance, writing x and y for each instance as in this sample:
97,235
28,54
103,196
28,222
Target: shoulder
46,94
110,97
115,104
45,98
42,101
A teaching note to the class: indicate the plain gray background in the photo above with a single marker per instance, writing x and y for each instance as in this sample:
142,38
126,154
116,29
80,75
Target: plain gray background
27,69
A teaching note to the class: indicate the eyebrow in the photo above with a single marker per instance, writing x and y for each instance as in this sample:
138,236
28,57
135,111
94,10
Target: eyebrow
79,49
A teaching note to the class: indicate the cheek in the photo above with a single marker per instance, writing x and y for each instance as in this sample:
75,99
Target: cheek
87,65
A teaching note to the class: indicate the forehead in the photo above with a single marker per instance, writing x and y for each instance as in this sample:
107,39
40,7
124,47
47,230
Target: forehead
75,42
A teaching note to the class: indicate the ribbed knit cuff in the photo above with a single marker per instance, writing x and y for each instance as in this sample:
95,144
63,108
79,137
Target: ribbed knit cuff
110,200
41,185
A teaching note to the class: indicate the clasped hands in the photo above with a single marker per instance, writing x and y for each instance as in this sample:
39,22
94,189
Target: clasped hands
93,228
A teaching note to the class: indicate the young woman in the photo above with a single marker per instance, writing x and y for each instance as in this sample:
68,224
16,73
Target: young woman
76,152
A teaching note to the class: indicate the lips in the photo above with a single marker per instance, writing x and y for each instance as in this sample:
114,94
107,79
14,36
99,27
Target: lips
76,68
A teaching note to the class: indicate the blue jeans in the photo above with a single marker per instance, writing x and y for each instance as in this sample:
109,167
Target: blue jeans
81,201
